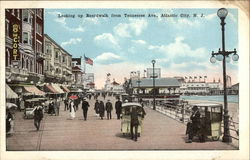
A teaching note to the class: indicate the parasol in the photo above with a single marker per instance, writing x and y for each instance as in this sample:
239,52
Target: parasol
11,106
73,97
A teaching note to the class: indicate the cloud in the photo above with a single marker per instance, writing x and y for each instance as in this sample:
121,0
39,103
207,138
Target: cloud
71,41
179,52
134,26
210,16
108,58
137,25
106,39
141,42
122,30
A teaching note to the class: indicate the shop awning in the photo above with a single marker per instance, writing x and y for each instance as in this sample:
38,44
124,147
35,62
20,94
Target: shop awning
9,92
32,89
65,89
57,87
51,89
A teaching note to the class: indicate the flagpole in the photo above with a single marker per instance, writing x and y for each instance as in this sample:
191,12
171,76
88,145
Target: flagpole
84,64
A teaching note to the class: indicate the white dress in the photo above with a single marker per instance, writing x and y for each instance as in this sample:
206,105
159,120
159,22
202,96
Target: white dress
72,113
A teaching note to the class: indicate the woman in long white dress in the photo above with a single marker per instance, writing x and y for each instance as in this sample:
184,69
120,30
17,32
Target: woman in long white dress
72,110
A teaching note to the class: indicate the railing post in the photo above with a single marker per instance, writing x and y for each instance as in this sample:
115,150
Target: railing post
183,112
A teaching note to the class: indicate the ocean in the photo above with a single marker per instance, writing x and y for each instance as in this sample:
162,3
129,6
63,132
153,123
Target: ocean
219,98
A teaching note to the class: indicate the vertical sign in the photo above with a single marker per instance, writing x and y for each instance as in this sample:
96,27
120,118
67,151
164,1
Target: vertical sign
16,39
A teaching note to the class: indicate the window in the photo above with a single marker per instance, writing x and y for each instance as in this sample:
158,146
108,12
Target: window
39,12
39,29
39,47
48,48
18,13
27,17
27,38
7,28
7,58
63,60
13,12
57,54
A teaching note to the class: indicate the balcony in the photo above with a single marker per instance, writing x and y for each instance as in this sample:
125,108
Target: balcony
40,56
16,74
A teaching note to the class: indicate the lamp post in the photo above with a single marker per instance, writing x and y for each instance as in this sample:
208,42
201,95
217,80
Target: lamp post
138,82
224,56
153,62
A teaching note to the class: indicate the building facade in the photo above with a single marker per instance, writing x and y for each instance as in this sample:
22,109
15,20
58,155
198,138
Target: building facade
24,37
58,63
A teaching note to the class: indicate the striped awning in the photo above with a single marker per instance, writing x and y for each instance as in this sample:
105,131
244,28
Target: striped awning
65,89
34,90
57,88
51,89
9,92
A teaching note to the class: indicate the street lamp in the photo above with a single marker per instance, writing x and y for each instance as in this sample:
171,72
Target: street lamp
153,62
224,56
138,82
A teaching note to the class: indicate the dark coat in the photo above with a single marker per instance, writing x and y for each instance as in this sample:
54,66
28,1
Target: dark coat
118,107
109,107
195,118
85,105
134,117
97,106
38,114
9,117
101,109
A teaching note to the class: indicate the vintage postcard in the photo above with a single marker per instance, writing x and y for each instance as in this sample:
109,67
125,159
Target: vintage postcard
130,80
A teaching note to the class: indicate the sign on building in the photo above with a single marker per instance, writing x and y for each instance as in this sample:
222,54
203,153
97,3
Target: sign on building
16,39
150,73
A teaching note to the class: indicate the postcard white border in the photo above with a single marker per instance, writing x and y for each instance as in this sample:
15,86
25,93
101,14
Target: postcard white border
242,153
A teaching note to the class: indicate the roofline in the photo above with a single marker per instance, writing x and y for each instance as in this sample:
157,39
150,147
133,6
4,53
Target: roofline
47,36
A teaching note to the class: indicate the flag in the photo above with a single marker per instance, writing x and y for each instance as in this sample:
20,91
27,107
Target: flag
88,60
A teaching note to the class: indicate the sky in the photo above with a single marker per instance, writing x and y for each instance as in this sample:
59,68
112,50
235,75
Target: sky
181,44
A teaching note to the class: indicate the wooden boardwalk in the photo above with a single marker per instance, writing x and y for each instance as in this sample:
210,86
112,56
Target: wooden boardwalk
58,133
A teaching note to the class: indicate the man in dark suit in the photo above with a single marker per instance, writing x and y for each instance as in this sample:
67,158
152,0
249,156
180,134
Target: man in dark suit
194,127
85,106
109,108
134,123
118,108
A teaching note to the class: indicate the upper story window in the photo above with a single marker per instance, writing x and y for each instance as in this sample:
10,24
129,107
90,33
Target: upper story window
13,12
48,48
39,28
27,38
27,17
57,54
63,59
7,28
39,46
39,12
18,13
